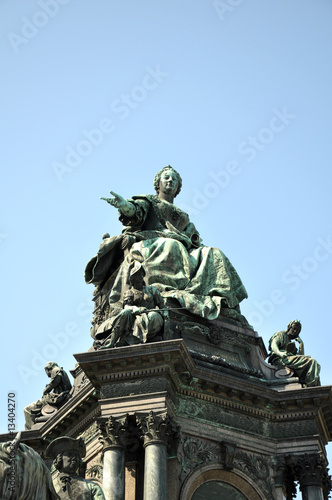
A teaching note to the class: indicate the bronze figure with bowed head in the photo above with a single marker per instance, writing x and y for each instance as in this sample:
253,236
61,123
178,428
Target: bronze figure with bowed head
284,352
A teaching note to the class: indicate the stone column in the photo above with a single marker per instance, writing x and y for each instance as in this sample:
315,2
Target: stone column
283,478
311,472
159,433
114,433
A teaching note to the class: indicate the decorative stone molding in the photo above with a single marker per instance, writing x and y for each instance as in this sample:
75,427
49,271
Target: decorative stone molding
213,472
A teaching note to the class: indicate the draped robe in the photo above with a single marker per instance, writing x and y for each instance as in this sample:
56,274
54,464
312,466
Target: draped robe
161,237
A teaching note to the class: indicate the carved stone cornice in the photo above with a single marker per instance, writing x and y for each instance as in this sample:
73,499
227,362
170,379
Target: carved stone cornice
170,361
160,429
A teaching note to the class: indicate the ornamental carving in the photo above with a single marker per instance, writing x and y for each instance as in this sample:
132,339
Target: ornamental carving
308,470
159,429
90,432
216,335
290,429
187,327
195,452
95,472
252,465
83,382
217,415
119,432
311,470
283,475
256,467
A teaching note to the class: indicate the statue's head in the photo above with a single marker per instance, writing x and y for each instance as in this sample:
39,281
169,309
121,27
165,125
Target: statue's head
158,175
66,453
49,367
294,328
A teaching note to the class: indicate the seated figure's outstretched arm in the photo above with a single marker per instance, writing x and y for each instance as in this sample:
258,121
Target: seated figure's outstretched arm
125,207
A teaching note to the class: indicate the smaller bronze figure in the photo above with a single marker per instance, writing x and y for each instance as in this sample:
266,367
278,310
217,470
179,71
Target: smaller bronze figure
67,453
283,352
138,320
55,393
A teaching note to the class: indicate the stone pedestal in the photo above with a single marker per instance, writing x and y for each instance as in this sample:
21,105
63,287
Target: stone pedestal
243,425
238,424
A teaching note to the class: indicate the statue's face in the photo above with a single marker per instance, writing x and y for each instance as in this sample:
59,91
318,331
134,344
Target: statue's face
70,461
294,331
168,183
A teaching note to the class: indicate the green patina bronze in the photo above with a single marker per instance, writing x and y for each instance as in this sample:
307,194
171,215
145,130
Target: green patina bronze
162,238
55,393
285,353
23,473
67,453
139,320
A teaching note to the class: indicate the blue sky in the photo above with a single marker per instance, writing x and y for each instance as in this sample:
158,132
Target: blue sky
235,95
